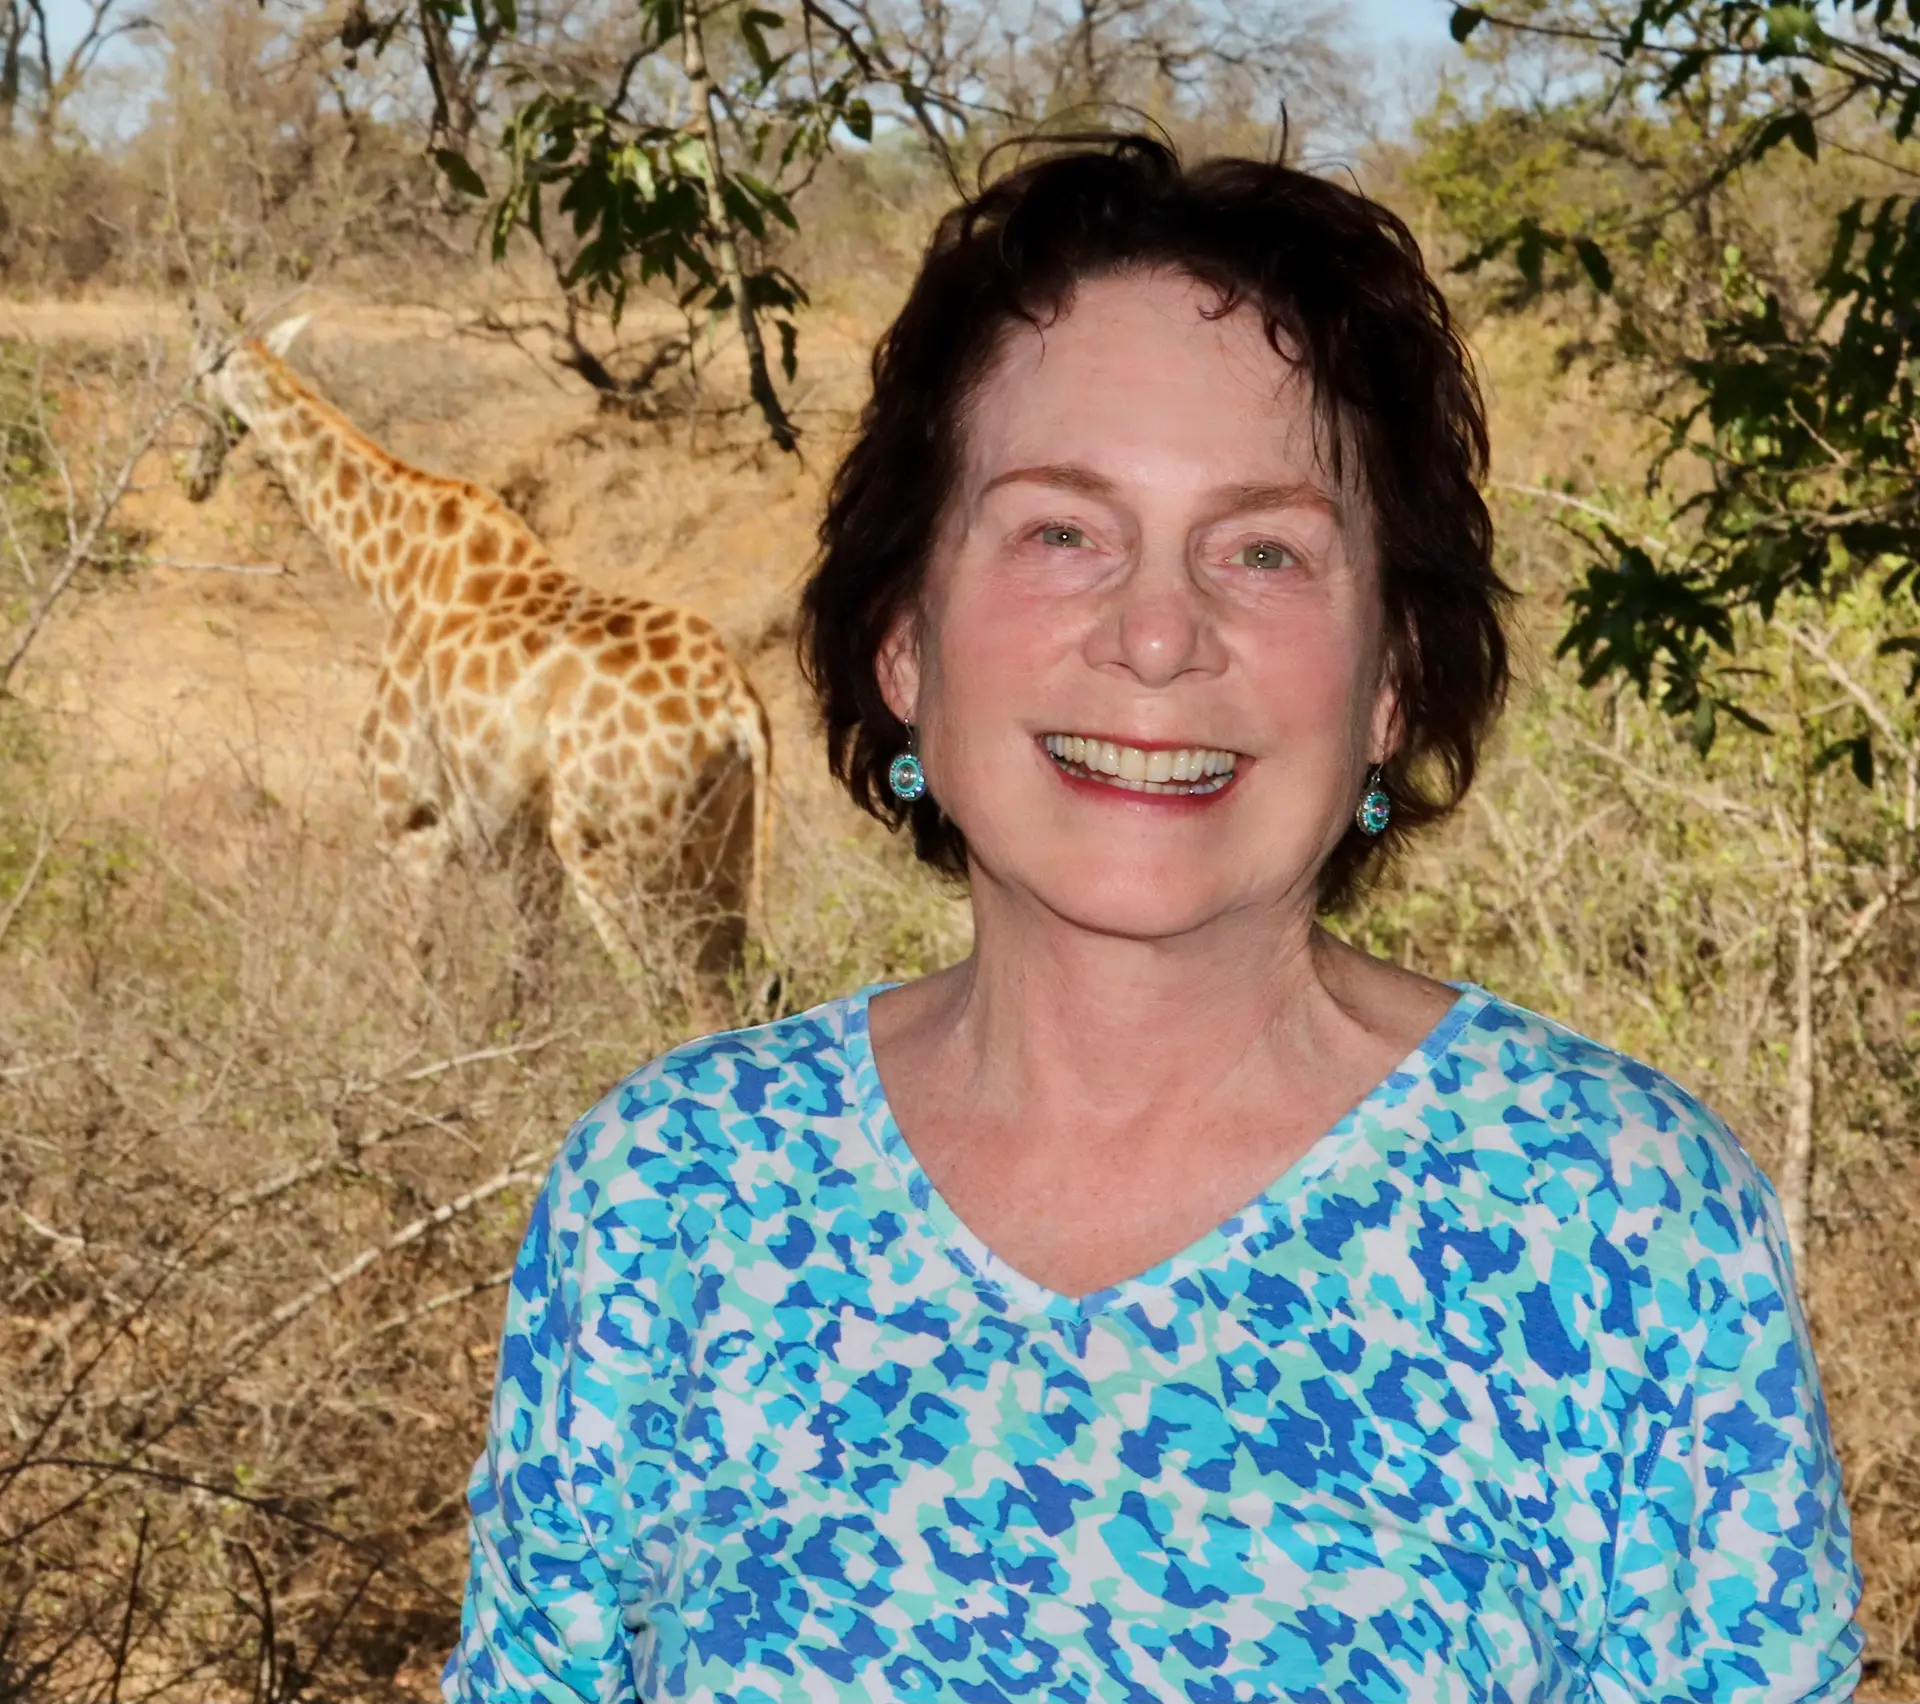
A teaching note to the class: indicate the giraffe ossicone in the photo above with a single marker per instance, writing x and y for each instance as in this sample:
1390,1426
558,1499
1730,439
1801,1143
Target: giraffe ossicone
518,708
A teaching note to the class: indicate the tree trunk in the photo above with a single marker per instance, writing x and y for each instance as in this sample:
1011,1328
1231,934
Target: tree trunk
707,120
453,111
13,29
1089,66
1797,1164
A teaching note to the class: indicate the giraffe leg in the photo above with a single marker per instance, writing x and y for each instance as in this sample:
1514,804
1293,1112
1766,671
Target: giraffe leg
717,870
419,852
538,879
416,825
592,869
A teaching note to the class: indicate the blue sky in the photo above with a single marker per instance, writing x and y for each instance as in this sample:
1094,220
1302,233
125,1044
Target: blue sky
1401,23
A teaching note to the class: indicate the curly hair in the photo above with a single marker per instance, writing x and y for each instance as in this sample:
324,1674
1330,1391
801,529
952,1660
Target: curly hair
1343,294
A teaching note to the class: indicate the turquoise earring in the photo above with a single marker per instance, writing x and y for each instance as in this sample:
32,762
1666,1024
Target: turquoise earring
1375,809
904,774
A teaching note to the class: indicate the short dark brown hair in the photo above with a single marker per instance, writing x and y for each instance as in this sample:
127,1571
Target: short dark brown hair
1340,285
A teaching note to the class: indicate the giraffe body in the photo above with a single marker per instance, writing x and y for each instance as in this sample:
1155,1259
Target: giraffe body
517,708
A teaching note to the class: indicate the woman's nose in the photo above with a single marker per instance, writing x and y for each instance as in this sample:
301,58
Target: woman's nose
1156,626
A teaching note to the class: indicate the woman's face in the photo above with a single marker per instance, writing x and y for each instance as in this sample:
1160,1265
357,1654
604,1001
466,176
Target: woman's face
1147,668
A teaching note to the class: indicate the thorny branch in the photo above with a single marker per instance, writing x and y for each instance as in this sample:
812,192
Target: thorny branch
88,520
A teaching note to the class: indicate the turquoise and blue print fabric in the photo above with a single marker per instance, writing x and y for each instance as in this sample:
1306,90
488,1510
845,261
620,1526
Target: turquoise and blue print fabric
1501,1394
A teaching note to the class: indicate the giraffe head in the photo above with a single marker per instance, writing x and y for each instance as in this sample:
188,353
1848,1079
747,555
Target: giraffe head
235,385
237,372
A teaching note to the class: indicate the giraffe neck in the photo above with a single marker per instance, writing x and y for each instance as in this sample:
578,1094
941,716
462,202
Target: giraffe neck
380,520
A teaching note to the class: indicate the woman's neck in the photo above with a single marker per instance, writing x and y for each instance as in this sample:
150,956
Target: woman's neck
1063,1027
1089,1105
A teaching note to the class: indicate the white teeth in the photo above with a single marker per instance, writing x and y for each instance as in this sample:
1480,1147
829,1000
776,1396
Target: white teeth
1187,769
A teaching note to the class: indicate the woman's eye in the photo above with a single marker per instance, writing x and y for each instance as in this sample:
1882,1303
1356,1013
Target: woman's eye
1266,554
1063,537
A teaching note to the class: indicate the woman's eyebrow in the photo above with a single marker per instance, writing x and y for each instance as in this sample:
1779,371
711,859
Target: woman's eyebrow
1067,476
1225,499
1294,494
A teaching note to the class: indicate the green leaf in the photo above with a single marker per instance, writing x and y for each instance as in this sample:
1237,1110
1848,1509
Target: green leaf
1687,67
1909,115
1529,252
1794,127
459,172
857,116
1701,729
1858,751
1746,718
1594,259
1465,20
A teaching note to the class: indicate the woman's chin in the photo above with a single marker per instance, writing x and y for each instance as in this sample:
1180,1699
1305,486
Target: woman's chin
1148,901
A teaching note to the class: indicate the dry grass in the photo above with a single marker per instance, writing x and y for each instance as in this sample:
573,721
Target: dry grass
256,1193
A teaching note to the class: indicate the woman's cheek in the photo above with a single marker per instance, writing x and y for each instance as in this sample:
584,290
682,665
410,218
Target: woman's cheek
1311,671
1008,630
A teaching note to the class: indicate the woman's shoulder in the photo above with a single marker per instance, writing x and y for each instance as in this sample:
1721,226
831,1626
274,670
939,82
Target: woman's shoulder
1561,1099
732,1093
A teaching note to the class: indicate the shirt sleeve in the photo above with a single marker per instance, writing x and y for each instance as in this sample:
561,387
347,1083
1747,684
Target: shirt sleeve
1734,1578
549,1568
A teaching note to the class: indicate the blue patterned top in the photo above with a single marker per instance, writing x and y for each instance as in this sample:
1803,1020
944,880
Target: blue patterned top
1501,1393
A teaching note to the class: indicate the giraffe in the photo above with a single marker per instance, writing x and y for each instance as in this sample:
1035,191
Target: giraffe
516,706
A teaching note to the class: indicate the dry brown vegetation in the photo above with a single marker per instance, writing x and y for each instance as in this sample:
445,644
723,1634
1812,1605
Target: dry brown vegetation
257,1196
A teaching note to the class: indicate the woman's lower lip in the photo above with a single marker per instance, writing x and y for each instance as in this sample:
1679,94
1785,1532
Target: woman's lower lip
1085,784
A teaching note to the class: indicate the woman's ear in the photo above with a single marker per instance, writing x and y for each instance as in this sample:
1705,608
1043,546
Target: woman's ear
1387,730
898,666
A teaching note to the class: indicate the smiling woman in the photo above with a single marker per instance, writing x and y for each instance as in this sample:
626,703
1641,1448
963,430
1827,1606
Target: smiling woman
1168,1301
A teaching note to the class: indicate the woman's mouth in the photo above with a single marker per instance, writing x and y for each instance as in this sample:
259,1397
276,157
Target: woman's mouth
1184,771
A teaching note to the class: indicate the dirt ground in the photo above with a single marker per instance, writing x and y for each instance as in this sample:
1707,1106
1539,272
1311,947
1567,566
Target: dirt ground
234,668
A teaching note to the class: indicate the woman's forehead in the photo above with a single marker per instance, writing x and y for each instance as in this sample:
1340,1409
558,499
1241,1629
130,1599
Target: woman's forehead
1147,367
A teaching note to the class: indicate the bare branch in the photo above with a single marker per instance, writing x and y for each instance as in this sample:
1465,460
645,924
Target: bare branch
1904,886
514,1051
257,568
84,534
44,839
1567,501
520,1169
446,1299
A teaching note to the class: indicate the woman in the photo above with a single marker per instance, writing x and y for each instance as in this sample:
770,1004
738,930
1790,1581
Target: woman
1168,1301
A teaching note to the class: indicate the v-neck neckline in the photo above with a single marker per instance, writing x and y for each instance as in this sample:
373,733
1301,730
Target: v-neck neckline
1008,1289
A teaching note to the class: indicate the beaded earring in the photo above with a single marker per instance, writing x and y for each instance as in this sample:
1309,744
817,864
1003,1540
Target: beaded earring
904,774
1375,809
